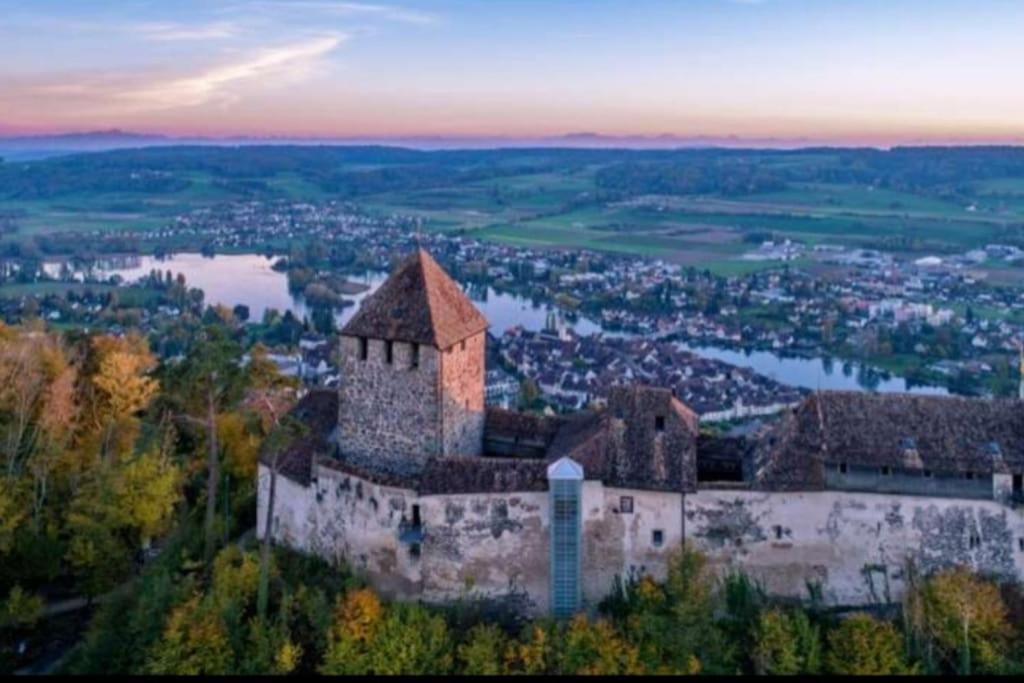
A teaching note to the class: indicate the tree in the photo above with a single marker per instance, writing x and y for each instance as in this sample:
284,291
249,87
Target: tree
534,653
209,379
596,649
147,490
357,619
11,515
122,388
367,638
286,430
195,642
775,645
966,617
20,610
864,646
239,444
483,651
672,624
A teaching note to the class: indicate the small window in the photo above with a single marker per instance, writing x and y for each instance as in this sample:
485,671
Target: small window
886,471
842,468
1020,544
657,538
927,474
968,475
778,532
659,423
389,352
975,541
462,345
626,504
414,359
364,348
416,515
414,551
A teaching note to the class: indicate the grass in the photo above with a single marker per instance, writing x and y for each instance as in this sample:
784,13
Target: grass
548,210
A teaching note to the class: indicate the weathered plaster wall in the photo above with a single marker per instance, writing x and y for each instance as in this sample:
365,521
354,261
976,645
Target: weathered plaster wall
495,545
616,542
462,390
389,411
294,515
854,544
344,517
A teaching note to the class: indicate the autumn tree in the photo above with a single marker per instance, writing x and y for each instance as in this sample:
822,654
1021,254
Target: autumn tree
966,619
864,646
672,623
594,648
483,651
369,638
121,388
350,640
776,651
535,652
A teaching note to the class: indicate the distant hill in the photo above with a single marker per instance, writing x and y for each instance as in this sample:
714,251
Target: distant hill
42,146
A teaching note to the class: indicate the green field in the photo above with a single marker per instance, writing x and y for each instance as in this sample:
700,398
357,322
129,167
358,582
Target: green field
526,198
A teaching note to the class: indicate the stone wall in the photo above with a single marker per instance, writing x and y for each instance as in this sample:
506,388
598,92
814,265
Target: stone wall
389,411
855,545
405,414
462,387
494,545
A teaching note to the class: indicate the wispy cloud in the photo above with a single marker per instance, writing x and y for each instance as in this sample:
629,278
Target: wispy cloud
142,92
175,31
342,8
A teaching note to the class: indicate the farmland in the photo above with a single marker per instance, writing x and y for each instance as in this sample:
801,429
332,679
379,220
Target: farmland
696,207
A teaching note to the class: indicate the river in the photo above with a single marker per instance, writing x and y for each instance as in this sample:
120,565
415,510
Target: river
249,279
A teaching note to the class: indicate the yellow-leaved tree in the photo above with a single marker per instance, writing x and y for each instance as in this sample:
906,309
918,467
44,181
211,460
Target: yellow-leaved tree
121,388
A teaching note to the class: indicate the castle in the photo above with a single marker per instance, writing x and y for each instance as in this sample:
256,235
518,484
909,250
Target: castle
406,475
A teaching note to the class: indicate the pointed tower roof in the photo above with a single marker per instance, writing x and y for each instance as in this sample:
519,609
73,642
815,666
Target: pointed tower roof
418,303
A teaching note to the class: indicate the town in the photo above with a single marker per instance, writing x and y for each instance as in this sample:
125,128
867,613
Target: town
932,322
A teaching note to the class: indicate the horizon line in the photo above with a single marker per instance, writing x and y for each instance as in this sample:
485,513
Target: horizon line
451,141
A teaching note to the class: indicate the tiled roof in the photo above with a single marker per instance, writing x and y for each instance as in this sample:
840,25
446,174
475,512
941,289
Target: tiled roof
318,413
937,433
418,303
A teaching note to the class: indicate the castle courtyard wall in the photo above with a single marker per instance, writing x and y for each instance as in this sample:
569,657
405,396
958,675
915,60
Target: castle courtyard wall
493,545
854,545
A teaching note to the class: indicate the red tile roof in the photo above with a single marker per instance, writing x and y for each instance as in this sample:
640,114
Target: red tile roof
418,303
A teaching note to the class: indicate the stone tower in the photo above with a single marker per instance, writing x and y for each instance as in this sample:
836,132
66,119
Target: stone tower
412,371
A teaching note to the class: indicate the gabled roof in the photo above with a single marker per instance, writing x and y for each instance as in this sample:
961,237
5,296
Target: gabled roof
943,434
418,303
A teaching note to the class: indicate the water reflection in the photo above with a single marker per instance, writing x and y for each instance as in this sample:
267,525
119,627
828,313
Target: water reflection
814,373
250,279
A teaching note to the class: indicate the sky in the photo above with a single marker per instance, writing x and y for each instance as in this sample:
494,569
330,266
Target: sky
846,71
